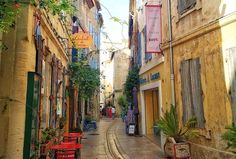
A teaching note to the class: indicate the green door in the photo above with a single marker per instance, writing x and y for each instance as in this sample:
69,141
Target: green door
31,120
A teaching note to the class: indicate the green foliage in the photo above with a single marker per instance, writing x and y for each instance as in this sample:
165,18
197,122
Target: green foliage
56,7
124,105
131,82
170,126
8,13
230,137
122,101
85,78
47,135
10,10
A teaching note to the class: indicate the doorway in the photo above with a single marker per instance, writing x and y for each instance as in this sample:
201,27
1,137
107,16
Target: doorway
152,113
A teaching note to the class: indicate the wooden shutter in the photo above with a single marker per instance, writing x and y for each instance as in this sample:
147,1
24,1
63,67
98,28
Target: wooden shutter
64,93
186,90
53,92
39,54
231,79
196,90
184,5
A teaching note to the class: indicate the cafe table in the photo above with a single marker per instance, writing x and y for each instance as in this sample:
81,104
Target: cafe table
67,147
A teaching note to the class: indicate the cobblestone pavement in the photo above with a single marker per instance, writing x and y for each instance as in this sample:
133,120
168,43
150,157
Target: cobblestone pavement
110,141
136,147
95,142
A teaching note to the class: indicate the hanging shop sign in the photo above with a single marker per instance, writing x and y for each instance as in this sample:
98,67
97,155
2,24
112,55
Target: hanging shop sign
153,28
81,40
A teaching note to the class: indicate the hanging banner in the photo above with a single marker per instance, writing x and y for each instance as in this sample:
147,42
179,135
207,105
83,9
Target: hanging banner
153,28
81,40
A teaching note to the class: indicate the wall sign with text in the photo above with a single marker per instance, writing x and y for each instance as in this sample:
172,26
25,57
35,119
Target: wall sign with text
153,28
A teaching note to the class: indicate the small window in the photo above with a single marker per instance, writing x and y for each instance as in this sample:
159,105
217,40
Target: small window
185,5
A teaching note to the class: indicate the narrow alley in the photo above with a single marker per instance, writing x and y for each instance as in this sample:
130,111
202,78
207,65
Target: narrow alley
117,79
110,141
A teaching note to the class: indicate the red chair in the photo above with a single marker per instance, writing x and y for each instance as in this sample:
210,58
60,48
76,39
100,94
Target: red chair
68,143
70,139
65,154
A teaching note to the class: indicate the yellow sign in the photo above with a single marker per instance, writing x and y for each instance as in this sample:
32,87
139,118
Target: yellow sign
81,40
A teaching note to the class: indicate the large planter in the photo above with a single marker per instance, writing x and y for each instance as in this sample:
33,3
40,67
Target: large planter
177,150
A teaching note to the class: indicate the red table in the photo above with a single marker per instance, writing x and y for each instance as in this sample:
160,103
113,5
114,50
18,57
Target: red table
67,148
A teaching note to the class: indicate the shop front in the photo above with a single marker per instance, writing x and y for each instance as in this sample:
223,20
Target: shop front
151,103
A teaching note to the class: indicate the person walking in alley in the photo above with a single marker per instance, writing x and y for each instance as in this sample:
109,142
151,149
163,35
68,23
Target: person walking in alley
113,110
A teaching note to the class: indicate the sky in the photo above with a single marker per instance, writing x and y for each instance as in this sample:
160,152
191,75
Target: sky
119,9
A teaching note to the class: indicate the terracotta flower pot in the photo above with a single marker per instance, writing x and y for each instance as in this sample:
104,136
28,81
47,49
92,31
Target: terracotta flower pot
177,150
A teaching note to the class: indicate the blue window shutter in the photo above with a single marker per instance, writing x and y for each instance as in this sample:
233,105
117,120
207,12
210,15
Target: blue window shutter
74,55
139,49
148,56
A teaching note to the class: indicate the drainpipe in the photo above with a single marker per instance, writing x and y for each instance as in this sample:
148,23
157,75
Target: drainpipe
172,76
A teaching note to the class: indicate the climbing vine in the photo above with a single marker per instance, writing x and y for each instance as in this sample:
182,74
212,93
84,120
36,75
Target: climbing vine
131,82
84,77
10,9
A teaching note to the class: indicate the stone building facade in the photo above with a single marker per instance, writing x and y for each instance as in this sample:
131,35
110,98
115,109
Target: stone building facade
204,65
37,44
89,20
203,62
121,60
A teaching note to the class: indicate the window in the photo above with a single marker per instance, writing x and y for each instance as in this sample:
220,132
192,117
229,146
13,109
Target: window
192,91
185,5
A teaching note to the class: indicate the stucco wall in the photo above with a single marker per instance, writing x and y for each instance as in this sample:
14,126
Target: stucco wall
16,62
199,34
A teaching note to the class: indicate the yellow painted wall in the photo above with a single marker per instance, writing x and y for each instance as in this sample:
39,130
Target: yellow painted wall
16,61
208,38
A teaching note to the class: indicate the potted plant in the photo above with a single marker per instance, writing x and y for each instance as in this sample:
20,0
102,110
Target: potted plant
156,129
230,137
176,143
46,140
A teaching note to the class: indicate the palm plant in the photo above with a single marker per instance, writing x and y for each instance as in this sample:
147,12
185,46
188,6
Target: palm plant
169,125
230,137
